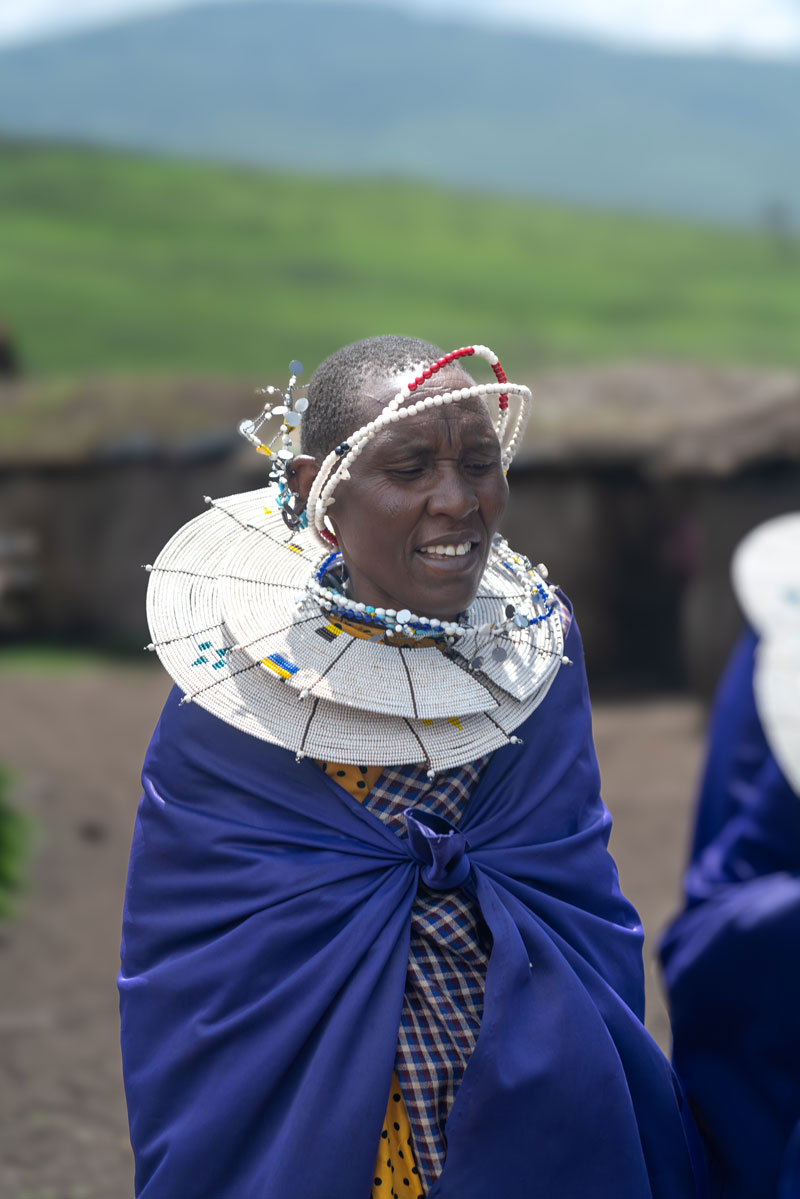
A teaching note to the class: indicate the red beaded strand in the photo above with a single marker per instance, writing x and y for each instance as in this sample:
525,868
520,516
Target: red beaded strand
445,360
501,377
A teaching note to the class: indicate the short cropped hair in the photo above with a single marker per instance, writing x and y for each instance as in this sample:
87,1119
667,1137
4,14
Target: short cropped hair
336,389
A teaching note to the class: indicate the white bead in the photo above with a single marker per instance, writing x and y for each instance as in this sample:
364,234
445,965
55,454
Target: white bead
438,401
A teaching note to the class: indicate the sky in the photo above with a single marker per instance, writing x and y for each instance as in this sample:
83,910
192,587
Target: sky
752,27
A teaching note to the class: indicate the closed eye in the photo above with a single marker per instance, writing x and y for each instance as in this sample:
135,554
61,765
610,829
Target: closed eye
409,472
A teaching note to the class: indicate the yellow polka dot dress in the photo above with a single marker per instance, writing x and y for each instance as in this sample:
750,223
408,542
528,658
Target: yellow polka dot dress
396,1175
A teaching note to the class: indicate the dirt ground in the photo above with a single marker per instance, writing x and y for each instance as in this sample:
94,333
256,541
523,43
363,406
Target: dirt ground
75,741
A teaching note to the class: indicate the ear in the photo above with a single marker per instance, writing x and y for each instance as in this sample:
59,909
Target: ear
302,473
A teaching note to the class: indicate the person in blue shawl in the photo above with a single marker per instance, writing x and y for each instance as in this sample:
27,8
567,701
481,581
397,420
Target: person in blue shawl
373,940
730,958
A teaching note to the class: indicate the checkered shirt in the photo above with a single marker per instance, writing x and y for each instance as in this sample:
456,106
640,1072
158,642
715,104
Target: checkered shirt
448,956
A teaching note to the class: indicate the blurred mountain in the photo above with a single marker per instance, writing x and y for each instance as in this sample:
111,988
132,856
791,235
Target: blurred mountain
350,89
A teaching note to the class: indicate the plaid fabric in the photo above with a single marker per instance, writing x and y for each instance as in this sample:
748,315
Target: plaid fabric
448,955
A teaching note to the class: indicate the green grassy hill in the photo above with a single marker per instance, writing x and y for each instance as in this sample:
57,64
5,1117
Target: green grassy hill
355,89
135,264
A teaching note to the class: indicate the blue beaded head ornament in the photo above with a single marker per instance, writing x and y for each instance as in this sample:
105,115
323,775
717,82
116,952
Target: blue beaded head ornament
290,407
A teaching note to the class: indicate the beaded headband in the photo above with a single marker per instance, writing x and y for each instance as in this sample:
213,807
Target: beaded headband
336,466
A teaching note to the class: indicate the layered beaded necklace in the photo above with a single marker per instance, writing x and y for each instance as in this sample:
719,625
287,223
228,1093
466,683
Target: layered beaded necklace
327,587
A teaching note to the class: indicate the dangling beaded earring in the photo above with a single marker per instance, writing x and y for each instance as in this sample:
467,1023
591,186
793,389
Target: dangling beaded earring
292,409
293,509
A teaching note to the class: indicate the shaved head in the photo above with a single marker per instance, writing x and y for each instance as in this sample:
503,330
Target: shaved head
341,387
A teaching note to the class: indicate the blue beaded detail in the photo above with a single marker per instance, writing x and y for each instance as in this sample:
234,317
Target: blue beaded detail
284,501
202,660
369,616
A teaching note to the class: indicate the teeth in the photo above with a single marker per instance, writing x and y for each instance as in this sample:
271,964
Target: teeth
447,551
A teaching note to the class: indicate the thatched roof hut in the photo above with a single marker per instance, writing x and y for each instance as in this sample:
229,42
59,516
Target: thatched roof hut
634,484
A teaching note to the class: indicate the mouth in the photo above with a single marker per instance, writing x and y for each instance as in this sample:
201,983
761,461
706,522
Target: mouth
459,552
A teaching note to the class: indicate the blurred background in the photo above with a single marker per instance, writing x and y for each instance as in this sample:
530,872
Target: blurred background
193,194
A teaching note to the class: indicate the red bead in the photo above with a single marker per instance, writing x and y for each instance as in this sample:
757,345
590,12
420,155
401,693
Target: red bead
412,387
426,374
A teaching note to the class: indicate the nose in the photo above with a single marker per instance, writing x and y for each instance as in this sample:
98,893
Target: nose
453,494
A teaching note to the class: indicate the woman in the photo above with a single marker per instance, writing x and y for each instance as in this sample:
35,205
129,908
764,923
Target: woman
730,958
373,940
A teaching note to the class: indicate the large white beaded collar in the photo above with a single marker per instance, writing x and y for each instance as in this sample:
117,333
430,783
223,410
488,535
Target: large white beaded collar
245,615
766,580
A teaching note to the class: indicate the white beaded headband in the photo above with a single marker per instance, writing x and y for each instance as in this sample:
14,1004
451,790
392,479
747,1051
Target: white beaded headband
336,467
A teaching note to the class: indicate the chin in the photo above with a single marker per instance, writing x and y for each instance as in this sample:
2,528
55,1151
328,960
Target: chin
444,603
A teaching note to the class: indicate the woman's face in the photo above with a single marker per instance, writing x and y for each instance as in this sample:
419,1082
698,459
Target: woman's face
416,519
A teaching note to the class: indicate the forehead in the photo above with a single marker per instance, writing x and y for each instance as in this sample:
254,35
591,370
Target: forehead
381,388
448,428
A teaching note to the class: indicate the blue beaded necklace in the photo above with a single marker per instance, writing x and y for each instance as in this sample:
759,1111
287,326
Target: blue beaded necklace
327,583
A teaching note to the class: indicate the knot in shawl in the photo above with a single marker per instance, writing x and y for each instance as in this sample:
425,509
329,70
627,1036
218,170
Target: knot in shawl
440,849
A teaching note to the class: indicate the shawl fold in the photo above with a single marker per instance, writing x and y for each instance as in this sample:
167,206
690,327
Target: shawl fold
264,955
